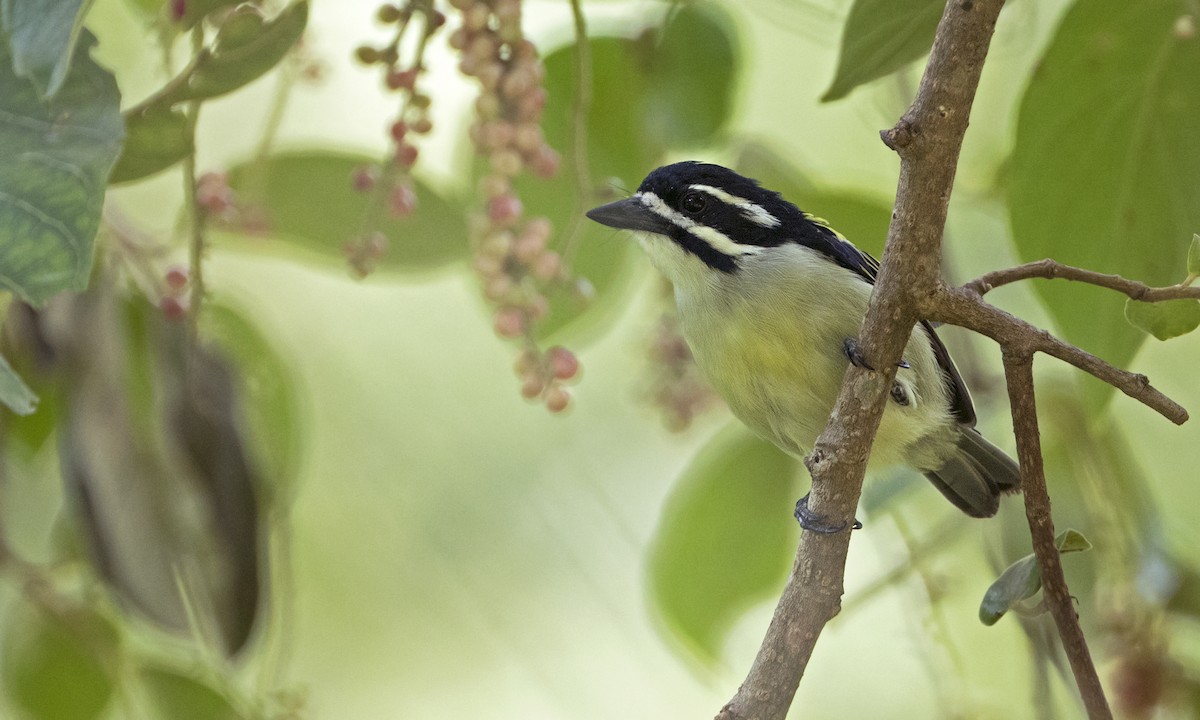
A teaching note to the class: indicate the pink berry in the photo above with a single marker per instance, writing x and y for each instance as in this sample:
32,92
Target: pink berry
557,399
402,201
504,209
532,386
547,265
509,323
172,308
364,177
406,155
177,277
563,363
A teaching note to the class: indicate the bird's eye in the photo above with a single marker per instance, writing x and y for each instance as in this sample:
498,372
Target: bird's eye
692,203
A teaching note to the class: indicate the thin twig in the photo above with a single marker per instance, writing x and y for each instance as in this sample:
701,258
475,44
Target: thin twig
928,139
1018,371
1051,269
965,308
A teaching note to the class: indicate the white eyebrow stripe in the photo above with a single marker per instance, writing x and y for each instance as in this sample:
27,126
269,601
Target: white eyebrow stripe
718,240
752,211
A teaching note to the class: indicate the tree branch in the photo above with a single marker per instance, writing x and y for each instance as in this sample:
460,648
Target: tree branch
1018,371
928,138
1051,269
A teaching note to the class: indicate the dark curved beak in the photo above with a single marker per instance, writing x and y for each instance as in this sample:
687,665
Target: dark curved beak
630,214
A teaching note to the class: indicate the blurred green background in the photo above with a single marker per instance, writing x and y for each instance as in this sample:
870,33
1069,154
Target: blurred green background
444,549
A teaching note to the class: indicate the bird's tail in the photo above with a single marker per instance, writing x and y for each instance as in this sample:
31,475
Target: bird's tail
976,474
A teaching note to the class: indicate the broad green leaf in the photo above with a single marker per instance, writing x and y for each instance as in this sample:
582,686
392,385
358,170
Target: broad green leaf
1193,257
1164,320
14,393
1106,167
155,139
54,158
725,539
862,220
1022,580
308,199
43,35
693,76
55,665
181,697
881,37
246,47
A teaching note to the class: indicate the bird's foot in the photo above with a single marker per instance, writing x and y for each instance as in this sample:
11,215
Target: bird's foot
856,357
812,523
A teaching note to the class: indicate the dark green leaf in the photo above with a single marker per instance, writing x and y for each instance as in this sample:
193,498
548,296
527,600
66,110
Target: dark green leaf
881,37
1106,168
693,76
155,139
55,665
725,539
180,697
308,199
14,393
246,47
54,158
1193,257
1164,320
1019,582
42,35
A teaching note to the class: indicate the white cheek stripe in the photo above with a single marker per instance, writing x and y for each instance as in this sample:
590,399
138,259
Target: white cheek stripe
753,212
718,240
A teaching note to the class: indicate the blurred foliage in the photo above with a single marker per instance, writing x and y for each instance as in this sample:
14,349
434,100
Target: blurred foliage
1023,579
179,427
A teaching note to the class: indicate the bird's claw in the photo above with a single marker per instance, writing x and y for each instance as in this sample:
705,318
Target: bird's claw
812,523
856,357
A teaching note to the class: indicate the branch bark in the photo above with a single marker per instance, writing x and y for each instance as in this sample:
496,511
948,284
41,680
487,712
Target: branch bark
1051,269
1018,372
927,138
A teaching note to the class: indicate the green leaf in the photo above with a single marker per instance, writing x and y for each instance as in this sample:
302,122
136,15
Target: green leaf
881,37
246,47
1021,580
1193,257
180,697
1164,320
54,158
43,35
725,539
693,76
14,393
55,665
155,139
1106,167
308,199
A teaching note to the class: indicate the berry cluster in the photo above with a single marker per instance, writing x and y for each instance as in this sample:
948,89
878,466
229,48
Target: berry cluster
392,179
512,253
676,389
174,302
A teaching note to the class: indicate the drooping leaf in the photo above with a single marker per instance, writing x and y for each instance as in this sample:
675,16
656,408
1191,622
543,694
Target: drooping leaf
881,37
693,76
1022,580
54,158
246,47
55,664
1164,320
181,697
14,393
155,139
308,199
1106,167
1193,257
42,35
724,540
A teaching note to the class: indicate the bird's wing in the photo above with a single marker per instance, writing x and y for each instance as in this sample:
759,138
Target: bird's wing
851,258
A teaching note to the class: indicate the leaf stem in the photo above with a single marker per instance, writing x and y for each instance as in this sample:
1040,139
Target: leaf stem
579,137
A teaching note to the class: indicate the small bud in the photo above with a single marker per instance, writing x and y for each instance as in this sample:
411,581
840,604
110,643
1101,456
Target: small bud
422,125
557,399
389,55
547,266
388,14
509,323
364,177
494,185
506,162
437,18
503,210
406,155
528,246
178,9
366,54
401,79
177,277
545,164
402,201
172,308
562,362
398,130
376,245
532,385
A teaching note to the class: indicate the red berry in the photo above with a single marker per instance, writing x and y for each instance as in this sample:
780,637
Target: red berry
177,277
172,308
563,363
504,209
406,155
364,177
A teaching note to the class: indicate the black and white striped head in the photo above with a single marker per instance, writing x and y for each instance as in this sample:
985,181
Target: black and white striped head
713,214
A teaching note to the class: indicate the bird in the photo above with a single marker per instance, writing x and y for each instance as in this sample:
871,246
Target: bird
770,299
